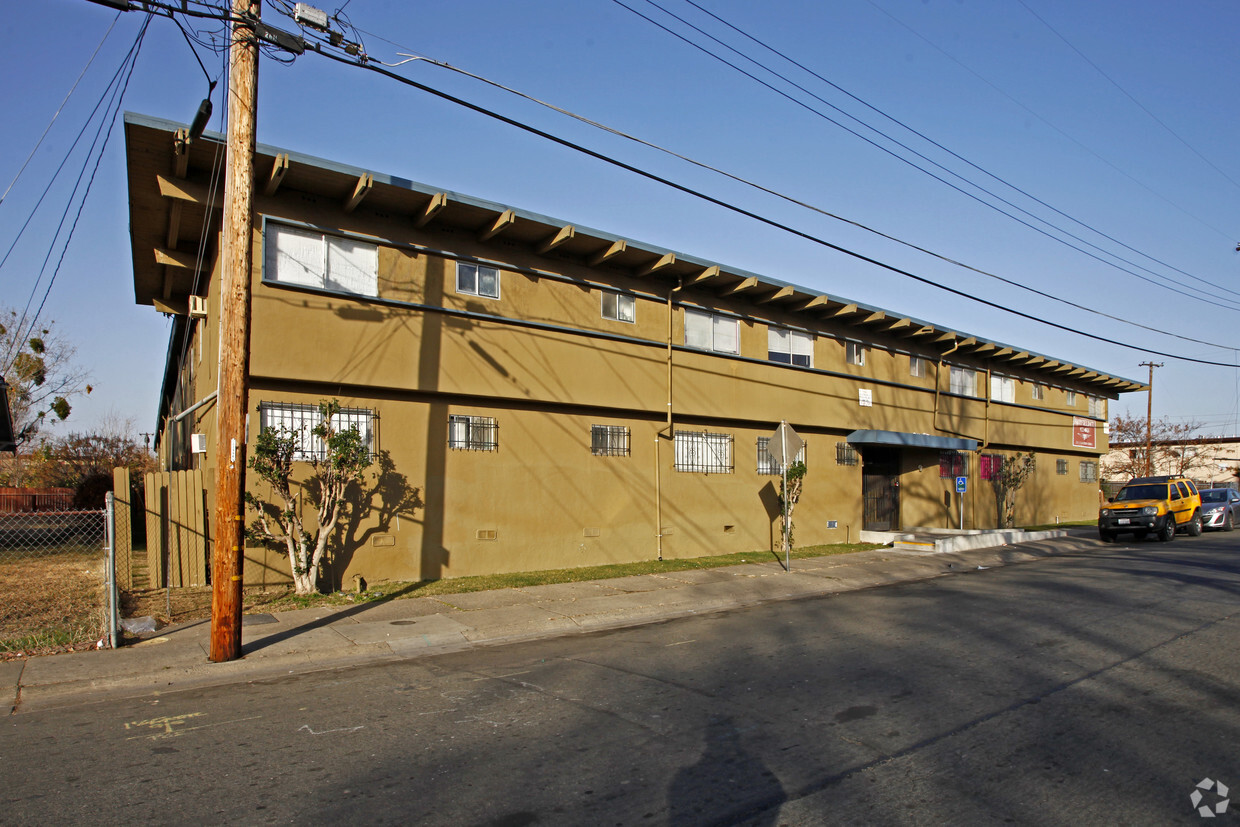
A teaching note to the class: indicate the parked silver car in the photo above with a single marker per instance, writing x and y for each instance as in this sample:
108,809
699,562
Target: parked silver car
1220,508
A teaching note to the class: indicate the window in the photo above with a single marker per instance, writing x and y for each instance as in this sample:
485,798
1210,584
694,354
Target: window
953,464
1039,391
472,433
293,255
790,347
1089,471
1097,407
963,381
916,366
1002,388
1071,399
609,440
477,280
704,452
619,307
989,466
1061,466
301,420
845,454
768,464
854,353
710,331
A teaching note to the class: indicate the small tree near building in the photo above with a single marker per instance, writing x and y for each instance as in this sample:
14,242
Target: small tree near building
1008,479
300,519
788,499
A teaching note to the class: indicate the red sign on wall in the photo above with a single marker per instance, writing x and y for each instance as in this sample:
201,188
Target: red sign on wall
1084,432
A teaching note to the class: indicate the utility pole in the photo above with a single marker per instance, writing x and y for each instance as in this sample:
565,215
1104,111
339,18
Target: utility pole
236,256
1149,416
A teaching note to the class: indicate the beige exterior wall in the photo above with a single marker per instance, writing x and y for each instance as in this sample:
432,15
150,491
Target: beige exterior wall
542,361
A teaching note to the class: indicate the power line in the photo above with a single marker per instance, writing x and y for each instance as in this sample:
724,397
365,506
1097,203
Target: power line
368,66
1212,301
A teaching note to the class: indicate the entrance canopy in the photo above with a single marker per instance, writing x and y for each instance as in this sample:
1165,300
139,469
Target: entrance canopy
907,440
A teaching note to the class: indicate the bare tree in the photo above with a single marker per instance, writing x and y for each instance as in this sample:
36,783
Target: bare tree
1175,448
1008,479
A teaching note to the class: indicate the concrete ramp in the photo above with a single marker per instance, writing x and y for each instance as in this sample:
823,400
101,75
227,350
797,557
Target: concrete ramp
943,540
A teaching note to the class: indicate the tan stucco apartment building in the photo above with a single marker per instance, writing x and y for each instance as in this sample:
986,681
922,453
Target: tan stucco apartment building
546,395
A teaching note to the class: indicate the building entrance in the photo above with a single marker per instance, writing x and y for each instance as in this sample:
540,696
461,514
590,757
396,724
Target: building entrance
880,489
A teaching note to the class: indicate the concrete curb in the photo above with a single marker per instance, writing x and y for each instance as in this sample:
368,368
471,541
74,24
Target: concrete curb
312,640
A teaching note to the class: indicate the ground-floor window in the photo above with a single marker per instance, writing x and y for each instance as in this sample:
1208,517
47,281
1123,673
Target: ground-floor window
1061,466
472,433
1089,471
609,440
953,464
768,464
703,452
845,454
301,420
989,466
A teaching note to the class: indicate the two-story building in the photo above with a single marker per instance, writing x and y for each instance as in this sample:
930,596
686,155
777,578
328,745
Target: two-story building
546,395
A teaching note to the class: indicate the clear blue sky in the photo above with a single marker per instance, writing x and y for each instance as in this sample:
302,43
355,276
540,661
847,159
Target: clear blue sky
1120,114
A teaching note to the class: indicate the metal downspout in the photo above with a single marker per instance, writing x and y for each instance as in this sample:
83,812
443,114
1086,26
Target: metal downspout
666,431
938,382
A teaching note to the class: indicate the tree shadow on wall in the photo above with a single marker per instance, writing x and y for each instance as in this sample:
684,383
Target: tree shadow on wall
374,509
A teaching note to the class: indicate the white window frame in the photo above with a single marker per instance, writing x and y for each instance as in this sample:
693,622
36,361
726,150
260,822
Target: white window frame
917,366
1097,407
712,331
310,258
467,432
1002,388
619,307
854,352
1089,470
790,347
962,381
470,276
703,452
1070,399
301,419
1039,391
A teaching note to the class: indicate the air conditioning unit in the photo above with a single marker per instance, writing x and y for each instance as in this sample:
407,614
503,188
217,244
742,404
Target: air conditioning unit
198,443
197,307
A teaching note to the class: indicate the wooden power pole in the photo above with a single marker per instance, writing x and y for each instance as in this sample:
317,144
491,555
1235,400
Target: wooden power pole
236,256
1149,416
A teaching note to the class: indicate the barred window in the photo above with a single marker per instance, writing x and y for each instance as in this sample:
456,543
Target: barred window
301,420
1089,471
472,433
609,440
768,464
845,454
989,466
703,452
1061,466
953,464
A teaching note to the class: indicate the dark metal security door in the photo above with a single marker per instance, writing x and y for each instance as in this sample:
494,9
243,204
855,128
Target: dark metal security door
880,489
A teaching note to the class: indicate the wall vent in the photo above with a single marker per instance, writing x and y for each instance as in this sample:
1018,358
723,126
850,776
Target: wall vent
485,534
589,532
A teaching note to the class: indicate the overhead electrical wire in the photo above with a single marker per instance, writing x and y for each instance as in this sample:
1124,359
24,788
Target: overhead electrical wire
384,71
940,146
1049,124
1213,300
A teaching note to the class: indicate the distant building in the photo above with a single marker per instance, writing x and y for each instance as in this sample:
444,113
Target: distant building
560,396
1211,462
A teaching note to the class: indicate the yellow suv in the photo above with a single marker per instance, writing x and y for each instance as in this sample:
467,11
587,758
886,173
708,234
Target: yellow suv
1157,505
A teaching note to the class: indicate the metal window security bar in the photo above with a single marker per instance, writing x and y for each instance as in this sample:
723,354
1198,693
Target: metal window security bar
845,454
703,452
768,464
301,420
472,433
609,440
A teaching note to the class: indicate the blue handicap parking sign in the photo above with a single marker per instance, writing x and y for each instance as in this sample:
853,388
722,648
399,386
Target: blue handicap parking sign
962,484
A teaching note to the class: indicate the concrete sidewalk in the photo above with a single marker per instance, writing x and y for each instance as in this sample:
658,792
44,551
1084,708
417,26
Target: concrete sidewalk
309,640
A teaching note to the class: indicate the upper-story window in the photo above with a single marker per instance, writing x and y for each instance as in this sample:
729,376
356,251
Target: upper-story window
963,381
854,353
790,347
619,307
1071,401
711,331
1097,407
1039,391
477,280
916,366
1002,388
294,255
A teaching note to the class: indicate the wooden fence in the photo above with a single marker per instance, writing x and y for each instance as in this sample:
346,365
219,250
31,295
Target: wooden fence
27,500
177,532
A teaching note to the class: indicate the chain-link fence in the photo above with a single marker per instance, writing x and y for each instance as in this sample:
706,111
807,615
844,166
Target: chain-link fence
54,581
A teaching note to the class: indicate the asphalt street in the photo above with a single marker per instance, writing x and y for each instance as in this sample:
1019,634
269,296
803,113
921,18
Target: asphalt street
1096,687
